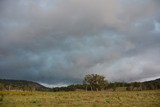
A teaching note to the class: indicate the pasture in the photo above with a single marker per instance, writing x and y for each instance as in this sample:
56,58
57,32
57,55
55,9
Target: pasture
80,99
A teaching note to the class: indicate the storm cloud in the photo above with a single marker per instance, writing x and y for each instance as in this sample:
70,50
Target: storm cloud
60,41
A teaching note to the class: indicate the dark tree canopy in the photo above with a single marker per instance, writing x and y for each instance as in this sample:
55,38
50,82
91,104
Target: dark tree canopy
95,81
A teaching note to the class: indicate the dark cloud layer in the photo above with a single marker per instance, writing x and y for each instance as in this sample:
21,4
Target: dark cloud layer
60,41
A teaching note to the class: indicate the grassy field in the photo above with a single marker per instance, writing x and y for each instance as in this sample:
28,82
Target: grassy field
80,99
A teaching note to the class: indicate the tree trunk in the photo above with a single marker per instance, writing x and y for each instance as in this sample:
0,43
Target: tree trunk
86,87
91,88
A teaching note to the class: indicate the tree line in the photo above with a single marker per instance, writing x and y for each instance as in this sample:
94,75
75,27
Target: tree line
91,82
95,82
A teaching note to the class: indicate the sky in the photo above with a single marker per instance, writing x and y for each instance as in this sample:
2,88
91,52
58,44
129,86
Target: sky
58,42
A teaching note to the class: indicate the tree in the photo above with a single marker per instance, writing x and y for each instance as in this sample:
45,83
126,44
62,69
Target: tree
95,81
1,87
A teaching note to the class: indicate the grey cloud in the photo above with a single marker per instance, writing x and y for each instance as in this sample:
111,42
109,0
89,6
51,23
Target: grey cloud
61,41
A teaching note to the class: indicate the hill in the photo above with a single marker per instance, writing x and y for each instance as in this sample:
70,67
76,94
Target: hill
22,85
157,80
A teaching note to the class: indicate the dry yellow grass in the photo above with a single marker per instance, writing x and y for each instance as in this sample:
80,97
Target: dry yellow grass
80,99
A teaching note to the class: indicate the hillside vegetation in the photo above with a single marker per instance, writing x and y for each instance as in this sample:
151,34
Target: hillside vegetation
22,85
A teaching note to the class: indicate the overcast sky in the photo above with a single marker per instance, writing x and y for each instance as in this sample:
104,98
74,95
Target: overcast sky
60,41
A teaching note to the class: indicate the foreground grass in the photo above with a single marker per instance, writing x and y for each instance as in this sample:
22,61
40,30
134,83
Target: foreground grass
80,99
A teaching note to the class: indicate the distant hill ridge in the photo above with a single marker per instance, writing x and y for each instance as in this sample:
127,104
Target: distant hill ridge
10,84
24,85
150,81
157,80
